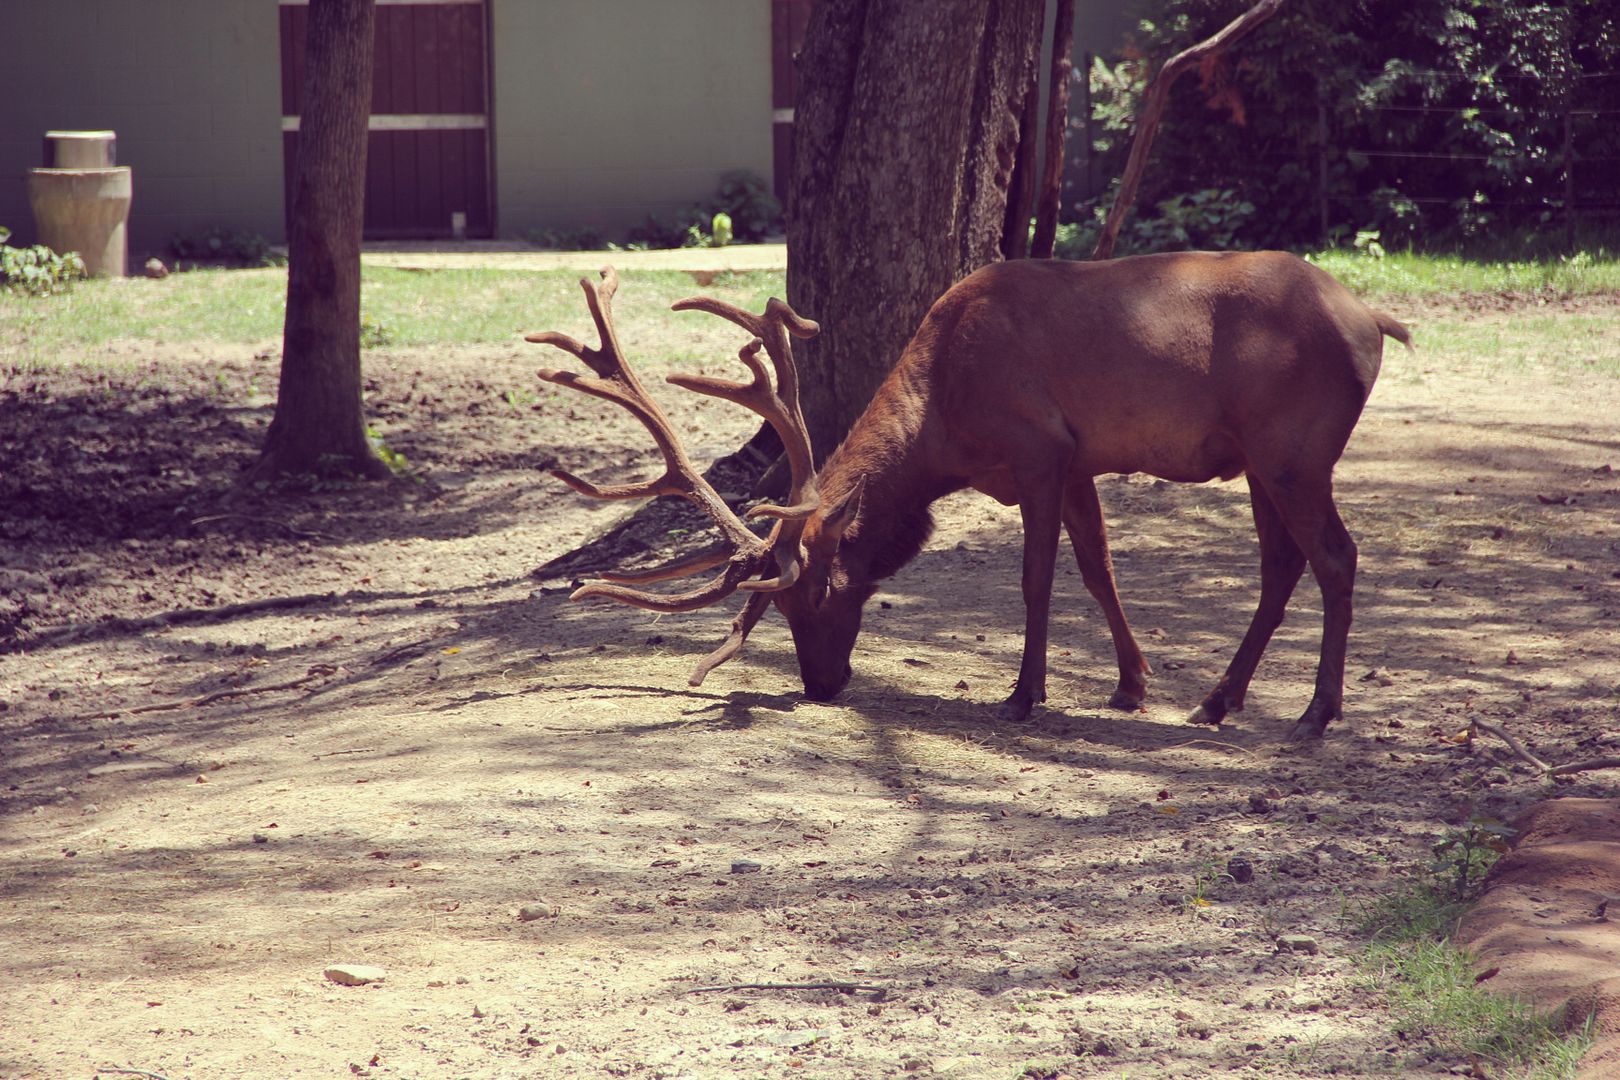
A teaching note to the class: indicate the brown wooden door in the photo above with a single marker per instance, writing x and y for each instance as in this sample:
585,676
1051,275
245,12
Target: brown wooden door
788,21
428,158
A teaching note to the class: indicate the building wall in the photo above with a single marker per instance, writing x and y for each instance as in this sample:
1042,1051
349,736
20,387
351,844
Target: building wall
192,87
606,110
603,110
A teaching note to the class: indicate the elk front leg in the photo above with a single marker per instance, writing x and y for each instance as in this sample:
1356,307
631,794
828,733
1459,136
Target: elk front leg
1040,503
1082,516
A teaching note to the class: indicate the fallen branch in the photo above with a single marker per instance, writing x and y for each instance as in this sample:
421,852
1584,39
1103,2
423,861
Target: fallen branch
1196,742
319,671
1153,103
846,987
130,1072
304,533
184,616
1536,763
1585,766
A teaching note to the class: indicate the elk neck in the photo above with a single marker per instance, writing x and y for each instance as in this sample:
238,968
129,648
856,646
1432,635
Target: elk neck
887,446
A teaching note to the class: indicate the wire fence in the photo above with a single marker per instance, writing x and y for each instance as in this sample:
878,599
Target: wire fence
1432,140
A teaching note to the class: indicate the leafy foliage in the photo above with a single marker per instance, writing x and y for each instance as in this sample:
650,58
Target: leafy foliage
743,199
225,247
37,270
747,199
1441,121
584,238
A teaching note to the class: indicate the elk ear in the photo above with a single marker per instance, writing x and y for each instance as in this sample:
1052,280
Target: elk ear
839,517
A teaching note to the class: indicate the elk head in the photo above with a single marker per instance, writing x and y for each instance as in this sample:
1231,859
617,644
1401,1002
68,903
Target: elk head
796,565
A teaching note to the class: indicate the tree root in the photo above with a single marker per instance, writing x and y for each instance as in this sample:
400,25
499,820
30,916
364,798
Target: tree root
1534,762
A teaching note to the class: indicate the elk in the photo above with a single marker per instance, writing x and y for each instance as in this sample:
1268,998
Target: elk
1026,380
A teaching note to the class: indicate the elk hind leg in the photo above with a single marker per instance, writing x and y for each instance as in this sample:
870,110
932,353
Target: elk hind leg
1082,517
1306,508
1282,562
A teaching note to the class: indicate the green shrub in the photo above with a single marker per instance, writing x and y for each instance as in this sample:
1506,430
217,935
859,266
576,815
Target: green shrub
681,228
584,238
1207,220
742,199
227,247
747,199
1444,119
37,270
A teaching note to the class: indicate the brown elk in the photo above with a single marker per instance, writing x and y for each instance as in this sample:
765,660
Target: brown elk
1025,381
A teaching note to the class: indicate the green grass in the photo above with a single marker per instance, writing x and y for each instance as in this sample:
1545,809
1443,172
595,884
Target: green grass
1429,984
1411,274
1573,343
417,308
421,309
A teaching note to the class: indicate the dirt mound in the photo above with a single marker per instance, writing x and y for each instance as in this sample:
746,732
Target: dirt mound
1545,921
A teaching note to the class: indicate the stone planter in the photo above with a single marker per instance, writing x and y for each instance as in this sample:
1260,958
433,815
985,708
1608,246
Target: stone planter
81,202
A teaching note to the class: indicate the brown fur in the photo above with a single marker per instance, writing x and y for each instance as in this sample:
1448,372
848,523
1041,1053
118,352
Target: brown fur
1029,378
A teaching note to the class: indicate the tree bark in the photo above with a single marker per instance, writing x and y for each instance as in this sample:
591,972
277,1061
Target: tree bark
319,424
1057,128
907,132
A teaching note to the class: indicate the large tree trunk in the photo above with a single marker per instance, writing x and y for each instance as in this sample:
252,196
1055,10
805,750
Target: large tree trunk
319,426
907,131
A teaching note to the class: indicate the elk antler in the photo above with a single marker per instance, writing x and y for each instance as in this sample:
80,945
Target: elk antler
746,555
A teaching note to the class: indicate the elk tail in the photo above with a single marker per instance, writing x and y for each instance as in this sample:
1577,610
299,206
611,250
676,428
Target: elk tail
1392,327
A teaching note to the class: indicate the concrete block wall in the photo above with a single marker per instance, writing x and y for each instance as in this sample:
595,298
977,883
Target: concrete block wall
607,110
192,87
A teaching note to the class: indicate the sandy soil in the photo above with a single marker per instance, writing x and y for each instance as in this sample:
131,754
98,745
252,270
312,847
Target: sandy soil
248,736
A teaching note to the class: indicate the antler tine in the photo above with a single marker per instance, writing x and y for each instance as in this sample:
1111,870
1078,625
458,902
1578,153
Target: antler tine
738,569
605,360
618,383
692,564
744,622
771,330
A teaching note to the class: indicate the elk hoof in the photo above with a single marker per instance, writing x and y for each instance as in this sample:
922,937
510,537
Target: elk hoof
1313,725
1207,714
1015,710
1126,700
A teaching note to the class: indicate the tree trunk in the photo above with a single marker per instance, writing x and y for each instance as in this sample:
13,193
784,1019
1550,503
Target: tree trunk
319,426
1044,241
907,131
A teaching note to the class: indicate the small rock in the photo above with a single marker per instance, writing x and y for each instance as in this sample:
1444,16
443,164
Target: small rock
531,912
355,974
1092,1042
1240,869
260,838
156,269
793,1039
1300,943
745,866
1259,804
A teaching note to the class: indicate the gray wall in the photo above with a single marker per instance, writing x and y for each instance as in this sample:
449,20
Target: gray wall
606,110
193,88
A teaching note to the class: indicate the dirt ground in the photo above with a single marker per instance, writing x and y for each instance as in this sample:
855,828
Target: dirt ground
249,736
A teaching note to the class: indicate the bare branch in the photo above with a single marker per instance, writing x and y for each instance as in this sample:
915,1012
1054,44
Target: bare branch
1153,103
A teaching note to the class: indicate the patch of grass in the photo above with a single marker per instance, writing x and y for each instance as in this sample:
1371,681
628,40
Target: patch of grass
1414,274
1560,340
417,308
1429,981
